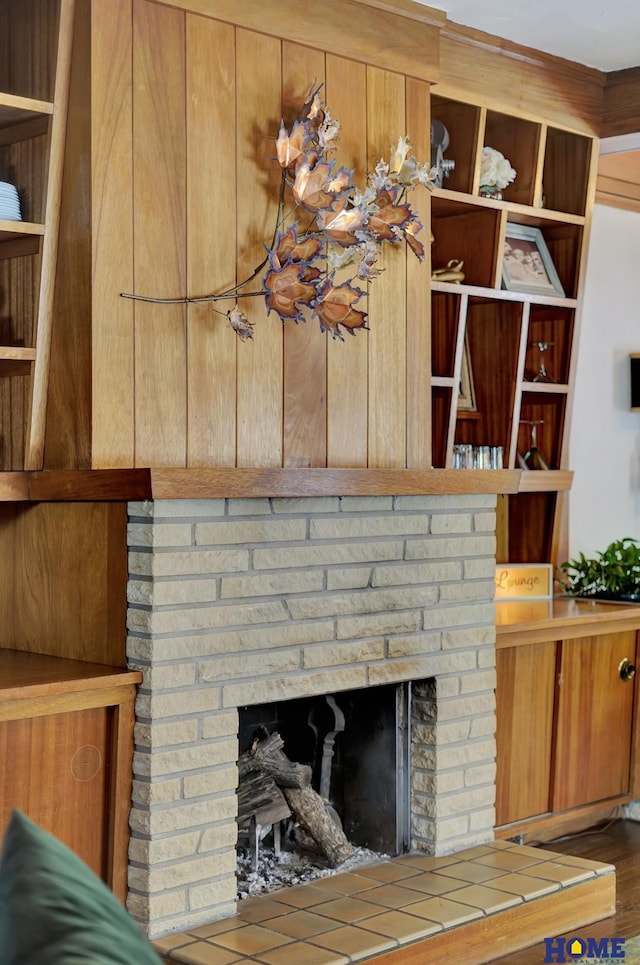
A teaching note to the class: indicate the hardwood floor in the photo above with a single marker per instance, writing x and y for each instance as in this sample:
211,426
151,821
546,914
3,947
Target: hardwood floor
619,845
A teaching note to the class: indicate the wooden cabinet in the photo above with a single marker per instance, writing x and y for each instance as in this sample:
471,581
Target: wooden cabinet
486,334
66,742
593,720
565,735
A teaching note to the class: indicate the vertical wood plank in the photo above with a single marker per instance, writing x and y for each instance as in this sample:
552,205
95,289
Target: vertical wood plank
112,224
347,389
260,367
159,233
387,297
211,240
418,297
305,346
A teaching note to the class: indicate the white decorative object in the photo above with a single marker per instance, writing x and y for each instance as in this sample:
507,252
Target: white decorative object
495,172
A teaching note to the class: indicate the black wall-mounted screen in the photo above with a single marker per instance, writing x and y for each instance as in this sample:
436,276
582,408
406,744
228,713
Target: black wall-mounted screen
635,381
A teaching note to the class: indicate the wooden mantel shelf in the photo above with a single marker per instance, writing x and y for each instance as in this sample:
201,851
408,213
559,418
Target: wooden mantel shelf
135,484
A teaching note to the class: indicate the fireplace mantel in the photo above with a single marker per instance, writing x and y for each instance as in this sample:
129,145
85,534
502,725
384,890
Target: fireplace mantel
167,483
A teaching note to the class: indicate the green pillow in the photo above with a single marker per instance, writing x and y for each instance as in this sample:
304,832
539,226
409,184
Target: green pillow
55,911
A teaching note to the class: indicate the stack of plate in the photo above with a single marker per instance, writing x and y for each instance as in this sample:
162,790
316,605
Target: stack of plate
9,202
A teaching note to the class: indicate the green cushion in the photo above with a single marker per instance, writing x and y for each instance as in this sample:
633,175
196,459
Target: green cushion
55,911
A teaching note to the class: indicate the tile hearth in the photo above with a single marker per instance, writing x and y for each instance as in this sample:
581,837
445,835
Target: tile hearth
388,906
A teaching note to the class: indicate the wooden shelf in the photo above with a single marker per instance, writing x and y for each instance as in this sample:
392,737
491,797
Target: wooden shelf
549,388
136,484
549,481
520,213
500,294
530,621
15,109
17,353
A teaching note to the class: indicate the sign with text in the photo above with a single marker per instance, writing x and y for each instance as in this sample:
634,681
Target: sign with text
526,581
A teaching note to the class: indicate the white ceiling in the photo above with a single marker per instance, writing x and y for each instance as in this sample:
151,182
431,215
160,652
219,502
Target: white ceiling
599,33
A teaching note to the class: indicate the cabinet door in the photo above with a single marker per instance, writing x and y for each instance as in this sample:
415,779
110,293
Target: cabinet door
594,720
524,709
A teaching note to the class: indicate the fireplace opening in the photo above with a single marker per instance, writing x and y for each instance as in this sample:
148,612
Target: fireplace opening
352,749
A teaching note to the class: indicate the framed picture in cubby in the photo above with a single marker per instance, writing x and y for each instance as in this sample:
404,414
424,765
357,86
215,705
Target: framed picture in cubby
526,263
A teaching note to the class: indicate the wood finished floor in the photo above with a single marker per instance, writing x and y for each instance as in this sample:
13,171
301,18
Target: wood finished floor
618,845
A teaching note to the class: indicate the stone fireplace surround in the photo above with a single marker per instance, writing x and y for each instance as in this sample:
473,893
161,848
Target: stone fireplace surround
249,601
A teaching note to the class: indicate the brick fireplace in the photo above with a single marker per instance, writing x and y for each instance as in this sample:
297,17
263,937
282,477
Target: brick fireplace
233,603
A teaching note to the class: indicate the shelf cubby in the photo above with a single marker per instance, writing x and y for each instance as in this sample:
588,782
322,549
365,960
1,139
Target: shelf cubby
462,123
468,233
519,140
565,177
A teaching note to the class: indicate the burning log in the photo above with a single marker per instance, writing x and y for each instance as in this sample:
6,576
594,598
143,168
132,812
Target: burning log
294,780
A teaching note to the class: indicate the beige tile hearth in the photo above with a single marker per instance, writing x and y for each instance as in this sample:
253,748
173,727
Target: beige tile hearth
386,907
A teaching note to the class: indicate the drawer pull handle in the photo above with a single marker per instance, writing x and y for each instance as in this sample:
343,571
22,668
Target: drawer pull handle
626,670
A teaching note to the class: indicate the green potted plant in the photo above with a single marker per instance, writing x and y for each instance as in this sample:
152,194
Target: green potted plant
613,574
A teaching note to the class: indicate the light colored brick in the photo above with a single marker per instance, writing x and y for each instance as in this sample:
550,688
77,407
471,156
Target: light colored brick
164,849
167,592
307,505
471,615
367,601
469,590
145,908
214,781
164,534
159,706
355,527
182,873
152,793
222,836
412,645
205,617
299,685
428,783
341,653
484,522
222,724
467,705
169,677
465,802
184,816
483,774
483,726
378,624
392,671
186,758
249,507
326,554
259,664
220,895
366,504
436,503
167,508
442,523
352,578
161,735
142,508
453,547
188,562
481,820
451,733
272,584
265,530
476,636
479,569
398,574
474,682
